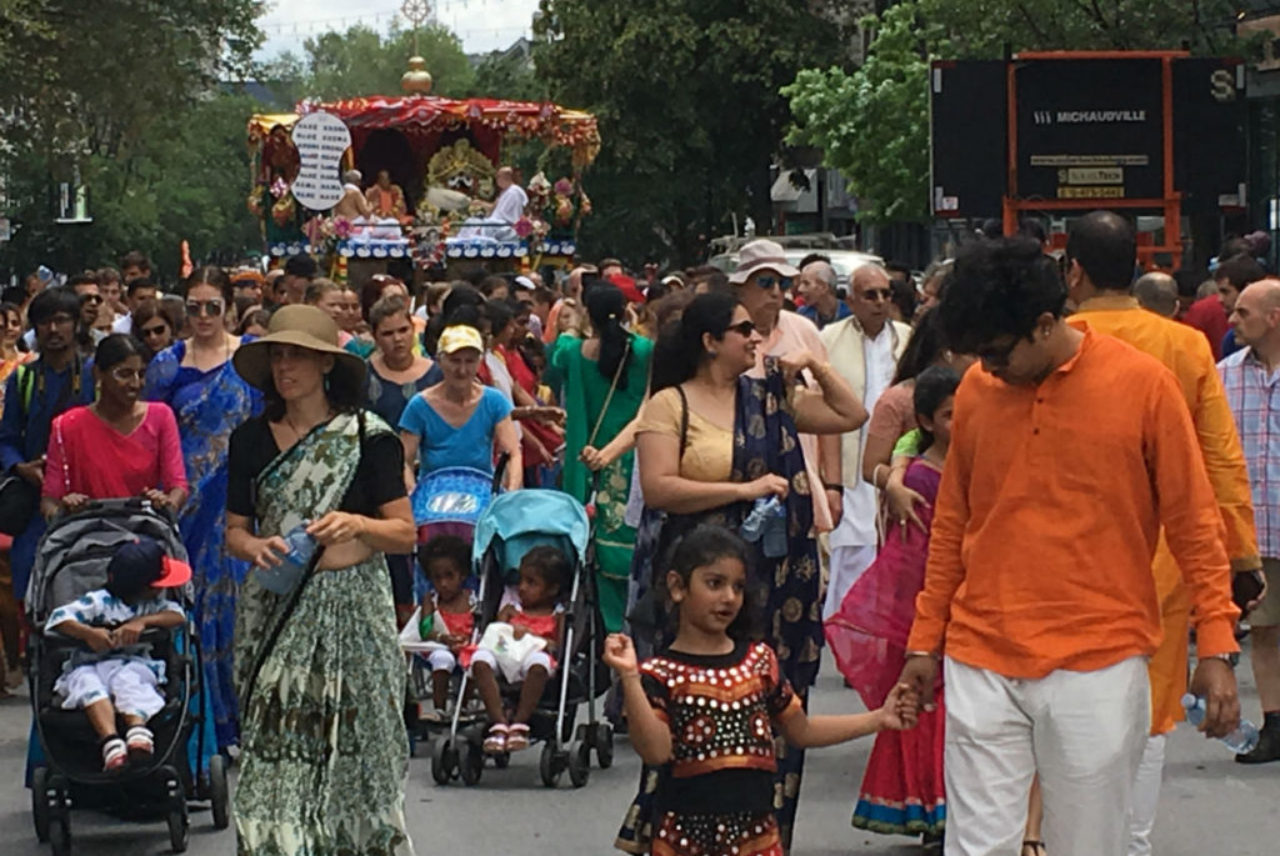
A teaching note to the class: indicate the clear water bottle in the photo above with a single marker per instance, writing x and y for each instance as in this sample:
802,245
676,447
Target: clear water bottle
284,577
766,524
1241,741
764,508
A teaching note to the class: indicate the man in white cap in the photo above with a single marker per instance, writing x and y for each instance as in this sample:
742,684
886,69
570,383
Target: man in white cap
864,349
760,281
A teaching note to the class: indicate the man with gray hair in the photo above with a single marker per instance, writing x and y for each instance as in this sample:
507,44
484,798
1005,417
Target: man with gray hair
1158,292
353,205
817,285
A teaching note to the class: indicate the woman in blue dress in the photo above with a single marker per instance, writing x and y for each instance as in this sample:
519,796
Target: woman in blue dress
196,379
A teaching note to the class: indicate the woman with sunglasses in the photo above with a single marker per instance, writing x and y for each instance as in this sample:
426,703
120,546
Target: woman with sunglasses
713,441
119,446
156,325
196,379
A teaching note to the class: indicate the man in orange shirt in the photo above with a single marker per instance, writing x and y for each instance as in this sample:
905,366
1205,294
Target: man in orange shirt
1101,252
1069,451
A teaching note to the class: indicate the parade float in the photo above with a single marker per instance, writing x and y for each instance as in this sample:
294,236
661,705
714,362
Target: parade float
442,158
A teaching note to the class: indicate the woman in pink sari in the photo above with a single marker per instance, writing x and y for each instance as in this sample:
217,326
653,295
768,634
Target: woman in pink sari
902,790
119,446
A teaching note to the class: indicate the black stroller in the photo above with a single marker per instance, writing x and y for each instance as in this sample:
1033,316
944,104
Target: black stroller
513,524
71,561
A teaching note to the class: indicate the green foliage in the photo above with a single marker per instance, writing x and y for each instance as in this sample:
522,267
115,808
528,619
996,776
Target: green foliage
873,123
362,62
687,93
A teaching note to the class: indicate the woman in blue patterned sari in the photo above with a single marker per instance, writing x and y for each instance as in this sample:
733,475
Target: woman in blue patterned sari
710,443
196,379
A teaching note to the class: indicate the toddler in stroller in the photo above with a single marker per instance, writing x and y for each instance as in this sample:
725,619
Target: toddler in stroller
544,572
117,676
448,611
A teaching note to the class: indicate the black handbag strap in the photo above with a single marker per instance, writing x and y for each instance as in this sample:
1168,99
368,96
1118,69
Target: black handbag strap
684,420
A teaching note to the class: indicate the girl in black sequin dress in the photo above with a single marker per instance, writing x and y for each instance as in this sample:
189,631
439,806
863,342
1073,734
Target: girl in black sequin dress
705,711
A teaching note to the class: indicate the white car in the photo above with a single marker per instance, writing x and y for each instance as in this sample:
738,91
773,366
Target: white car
844,261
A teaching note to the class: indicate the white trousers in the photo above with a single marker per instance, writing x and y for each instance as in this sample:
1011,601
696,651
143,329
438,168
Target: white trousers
1146,796
132,687
1083,732
535,658
442,660
847,564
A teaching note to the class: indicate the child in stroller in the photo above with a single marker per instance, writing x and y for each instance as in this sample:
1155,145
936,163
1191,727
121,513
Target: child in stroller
544,572
117,676
448,611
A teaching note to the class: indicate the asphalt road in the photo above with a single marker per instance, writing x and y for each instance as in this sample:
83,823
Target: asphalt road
1210,806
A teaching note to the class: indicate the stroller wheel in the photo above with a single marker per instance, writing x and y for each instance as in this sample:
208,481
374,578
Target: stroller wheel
60,833
580,764
472,765
40,802
179,828
549,765
604,745
443,761
502,760
219,795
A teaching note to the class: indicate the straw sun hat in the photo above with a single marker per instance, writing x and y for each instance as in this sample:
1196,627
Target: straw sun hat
306,327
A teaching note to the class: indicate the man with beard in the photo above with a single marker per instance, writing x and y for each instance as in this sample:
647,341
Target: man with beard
35,394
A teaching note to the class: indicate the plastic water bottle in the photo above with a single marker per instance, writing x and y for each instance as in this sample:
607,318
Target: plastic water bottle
764,508
284,577
1241,741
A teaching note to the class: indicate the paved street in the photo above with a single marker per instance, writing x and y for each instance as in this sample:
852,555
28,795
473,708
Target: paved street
1210,806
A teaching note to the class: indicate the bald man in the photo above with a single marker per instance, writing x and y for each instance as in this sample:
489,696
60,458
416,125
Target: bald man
1101,255
353,205
1248,376
1158,293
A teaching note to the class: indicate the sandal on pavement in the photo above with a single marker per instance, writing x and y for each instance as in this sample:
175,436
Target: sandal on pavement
519,737
496,743
1037,848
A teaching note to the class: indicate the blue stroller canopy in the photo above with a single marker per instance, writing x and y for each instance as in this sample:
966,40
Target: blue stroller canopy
523,519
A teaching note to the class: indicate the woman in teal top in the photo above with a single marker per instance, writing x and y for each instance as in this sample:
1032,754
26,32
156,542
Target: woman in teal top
600,434
459,422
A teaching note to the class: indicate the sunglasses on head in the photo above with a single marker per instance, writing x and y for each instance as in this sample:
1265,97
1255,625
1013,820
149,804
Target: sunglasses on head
212,308
743,328
768,281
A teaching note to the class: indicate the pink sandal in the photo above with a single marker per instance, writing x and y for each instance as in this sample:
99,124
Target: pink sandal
517,737
497,742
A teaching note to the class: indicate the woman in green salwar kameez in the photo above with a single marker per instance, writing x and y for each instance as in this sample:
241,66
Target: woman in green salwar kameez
318,669
605,378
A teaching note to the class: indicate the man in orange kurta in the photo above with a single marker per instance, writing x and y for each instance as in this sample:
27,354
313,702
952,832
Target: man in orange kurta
1102,251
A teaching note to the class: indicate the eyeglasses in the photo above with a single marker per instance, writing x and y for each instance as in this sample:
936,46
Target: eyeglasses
743,328
996,355
212,308
155,331
875,295
124,375
767,282
59,320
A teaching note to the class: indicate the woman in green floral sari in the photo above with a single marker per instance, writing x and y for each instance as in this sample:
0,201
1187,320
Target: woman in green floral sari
605,378
318,670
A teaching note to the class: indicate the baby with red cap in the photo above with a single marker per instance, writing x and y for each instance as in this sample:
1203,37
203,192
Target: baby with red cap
117,676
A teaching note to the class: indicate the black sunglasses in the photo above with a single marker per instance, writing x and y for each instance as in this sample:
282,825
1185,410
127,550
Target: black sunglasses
155,331
877,294
743,328
996,355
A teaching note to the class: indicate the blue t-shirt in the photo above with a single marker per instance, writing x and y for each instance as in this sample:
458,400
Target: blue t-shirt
442,445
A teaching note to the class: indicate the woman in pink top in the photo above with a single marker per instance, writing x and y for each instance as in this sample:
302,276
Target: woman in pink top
119,446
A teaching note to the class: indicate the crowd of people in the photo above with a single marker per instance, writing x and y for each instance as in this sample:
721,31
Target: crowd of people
776,459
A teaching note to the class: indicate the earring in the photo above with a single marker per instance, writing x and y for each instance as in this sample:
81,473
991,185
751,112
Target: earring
712,354
326,383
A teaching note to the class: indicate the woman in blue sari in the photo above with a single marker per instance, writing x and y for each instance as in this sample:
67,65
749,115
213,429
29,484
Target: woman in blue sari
711,442
196,379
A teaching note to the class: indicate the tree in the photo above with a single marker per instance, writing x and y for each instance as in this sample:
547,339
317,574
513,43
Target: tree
687,94
95,90
873,123
362,62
